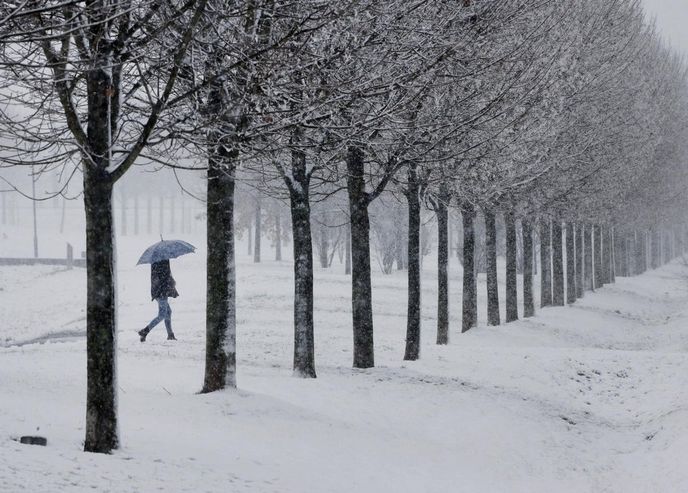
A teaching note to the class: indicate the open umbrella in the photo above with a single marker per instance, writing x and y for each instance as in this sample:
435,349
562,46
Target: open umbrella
165,250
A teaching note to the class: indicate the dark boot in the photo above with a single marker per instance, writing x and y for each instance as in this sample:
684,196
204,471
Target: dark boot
143,333
170,337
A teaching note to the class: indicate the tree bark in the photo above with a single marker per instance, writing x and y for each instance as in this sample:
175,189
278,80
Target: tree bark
545,263
570,263
347,250
278,237
258,230
220,353
599,272
606,255
491,263
589,259
101,307
511,268
442,268
557,265
304,341
528,301
361,289
580,242
470,292
101,312
412,351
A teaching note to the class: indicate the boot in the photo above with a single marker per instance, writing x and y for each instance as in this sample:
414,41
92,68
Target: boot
143,333
170,337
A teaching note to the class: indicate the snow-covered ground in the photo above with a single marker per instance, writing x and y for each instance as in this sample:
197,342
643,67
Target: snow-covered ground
585,398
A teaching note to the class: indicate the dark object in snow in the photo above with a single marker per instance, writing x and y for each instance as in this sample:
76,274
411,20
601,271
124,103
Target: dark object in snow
163,284
165,250
31,440
162,287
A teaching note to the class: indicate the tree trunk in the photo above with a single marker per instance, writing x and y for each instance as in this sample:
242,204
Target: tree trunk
606,255
220,353
442,269
123,214
491,264
278,237
347,250
173,215
642,244
249,236
470,291
598,274
557,265
528,302
324,249
161,219
511,269
545,262
361,289
412,351
149,215
570,263
136,214
101,312
580,242
258,230
588,270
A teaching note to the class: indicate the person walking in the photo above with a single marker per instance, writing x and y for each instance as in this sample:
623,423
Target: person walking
163,286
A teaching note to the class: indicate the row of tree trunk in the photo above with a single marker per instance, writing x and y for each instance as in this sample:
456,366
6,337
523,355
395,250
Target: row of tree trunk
574,258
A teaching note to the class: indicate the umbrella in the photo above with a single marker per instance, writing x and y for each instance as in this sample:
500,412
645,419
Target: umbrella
165,250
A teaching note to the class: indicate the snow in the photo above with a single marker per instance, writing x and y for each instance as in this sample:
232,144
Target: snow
590,397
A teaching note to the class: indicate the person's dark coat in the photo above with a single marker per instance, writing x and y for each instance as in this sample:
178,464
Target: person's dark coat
162,282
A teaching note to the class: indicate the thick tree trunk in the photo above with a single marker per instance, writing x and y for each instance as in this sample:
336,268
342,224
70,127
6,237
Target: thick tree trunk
528,301
442,270
599,269
361,289
249,236
470,292
545,262
511,299
258,230
557,265
101,313
102,434
304,341
278,237
580,242
570,263
220,352
491,261
412,351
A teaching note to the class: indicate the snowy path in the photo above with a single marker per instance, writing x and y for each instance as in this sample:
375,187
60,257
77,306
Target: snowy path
592,397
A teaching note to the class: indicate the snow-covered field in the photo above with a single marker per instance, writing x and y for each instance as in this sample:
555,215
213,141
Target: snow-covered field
586,398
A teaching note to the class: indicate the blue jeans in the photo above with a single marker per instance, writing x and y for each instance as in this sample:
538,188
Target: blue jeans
164,313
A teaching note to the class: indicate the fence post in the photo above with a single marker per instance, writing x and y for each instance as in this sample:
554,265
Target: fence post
70,256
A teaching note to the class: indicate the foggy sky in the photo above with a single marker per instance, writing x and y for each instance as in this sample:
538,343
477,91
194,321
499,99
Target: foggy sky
672,20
